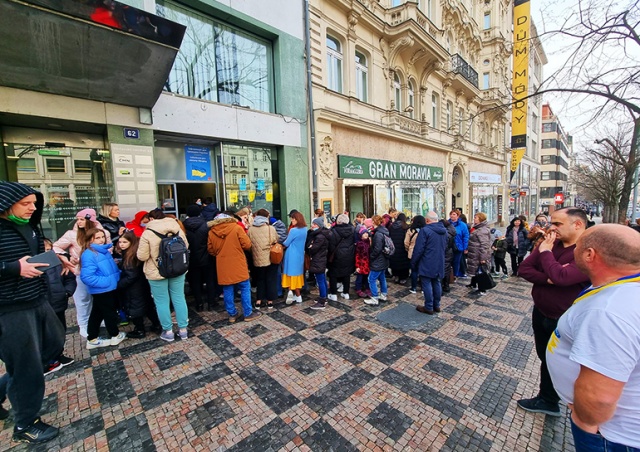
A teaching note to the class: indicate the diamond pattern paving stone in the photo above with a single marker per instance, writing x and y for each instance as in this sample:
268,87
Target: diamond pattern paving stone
491,316
306,364
184,385
525,326
322,437
494,396
471,337
256,330
460,352
556,432
464,439
448,406
498,307
433,325
195,319
363,334
403,317
131,434
396,350
172,359
276,347
112,383
271,437
338,390
220,345
49,404
332,324
457,307
483,325
272,393
441,368
289,321
209,415
389,421
516,353
343,351
141,347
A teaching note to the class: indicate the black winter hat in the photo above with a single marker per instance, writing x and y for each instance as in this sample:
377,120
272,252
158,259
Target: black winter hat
12,192
194,210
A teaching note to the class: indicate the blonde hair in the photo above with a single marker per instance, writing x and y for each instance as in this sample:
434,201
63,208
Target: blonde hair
481,216
107,207
377,220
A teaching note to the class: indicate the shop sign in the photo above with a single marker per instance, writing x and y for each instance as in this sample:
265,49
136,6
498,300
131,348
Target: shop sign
484,178
198,162
558,198
483,191
523,193
361,168
55,152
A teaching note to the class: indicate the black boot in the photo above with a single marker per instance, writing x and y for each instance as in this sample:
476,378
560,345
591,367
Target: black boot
445,285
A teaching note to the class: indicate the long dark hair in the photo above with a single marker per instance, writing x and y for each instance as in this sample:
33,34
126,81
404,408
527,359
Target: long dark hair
418,222
129,256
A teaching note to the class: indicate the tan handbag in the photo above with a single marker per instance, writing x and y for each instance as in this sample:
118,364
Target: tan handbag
276,252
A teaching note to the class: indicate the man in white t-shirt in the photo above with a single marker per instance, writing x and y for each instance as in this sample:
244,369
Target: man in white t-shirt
594,354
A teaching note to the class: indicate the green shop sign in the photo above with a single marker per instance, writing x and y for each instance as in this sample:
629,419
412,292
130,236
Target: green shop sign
360,168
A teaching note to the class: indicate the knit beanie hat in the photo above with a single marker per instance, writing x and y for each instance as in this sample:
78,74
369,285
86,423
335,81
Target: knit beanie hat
12,192
193,210
368,223
497,234
87,212
362,231
342,219
319,222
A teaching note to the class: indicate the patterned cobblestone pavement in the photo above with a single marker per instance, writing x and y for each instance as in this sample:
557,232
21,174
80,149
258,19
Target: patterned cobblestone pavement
297,379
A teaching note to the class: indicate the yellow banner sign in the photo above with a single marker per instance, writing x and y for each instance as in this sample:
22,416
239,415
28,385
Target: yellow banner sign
521,48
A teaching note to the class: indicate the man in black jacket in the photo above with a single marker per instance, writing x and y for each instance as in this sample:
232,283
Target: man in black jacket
30,333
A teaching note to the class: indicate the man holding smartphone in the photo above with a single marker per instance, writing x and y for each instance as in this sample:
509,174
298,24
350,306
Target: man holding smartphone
30,333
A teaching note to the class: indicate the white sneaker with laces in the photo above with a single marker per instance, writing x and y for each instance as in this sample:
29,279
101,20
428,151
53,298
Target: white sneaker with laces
98,342
345,296
383,296
298,299
332,297
373,301
412,291
115,340
290,297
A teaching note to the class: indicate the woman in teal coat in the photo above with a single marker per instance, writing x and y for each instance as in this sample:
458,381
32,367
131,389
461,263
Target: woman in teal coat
293,272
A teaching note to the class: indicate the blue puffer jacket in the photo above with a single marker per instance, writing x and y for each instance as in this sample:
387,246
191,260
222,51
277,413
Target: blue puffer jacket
462,235
98,270
429,253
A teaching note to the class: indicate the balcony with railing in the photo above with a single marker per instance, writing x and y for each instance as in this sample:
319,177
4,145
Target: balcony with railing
460,66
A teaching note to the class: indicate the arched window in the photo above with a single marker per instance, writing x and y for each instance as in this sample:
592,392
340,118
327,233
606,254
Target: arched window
334,64
435,110
362,74
397,92
449,115
411,98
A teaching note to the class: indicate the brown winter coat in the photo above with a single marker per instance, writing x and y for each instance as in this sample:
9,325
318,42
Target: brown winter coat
480,242
410,241
227,242
149,246
262,236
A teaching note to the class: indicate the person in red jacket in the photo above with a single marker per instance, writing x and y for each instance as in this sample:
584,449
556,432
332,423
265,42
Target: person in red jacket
557,281
139,223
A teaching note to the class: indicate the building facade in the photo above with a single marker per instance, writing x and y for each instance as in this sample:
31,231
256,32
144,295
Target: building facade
154,103
410,103
556,156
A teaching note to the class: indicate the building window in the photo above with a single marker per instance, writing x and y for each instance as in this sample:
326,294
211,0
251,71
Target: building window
82,166
429,8
396,2
411,97
266,173
218,62
265,156
397,92
548,127
243,163
549,144
534,123
361,76
435,110
449,112
26,165
487,21
472,135
234,179
334,64
461,121
234,161
485,81
255,173
56,165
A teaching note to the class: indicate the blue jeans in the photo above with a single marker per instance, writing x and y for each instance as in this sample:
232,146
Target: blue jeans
362,282
457,258
245,298
171,289
432,291
594,442
321,281
377,276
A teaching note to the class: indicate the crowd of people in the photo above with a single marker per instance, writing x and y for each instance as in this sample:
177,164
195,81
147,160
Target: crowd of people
118,273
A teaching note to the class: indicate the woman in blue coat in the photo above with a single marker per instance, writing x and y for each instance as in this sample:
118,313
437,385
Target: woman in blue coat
461,241
293,272
99,272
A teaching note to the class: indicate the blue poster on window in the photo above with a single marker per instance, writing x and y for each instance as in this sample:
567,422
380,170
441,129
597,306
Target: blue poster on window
198,162
243,184
260,184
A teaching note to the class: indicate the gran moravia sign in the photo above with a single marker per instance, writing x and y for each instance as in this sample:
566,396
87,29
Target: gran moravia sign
359,168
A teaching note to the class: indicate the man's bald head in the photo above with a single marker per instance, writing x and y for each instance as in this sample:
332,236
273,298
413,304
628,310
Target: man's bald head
617,245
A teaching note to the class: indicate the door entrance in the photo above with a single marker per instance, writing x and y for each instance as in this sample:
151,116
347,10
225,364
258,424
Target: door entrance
359,199
174,198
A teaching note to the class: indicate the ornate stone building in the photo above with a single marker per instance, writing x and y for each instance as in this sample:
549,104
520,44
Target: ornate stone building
410,104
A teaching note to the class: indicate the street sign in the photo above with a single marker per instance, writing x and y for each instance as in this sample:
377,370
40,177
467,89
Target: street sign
558,198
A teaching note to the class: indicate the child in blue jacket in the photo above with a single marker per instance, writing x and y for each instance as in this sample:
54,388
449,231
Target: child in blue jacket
99,272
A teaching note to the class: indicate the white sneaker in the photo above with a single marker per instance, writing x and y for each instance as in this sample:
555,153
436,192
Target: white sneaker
373,301
115,340
412,291
298,299
290,297
345,296
383,296
340,287
83,331
332,297
98,342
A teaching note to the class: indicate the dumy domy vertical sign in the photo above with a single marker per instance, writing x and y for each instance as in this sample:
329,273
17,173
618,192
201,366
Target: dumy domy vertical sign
520,90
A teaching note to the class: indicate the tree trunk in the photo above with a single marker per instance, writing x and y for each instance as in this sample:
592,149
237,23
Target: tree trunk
629,175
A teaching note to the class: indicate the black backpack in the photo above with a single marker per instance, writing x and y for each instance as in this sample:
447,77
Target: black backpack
173,255
389,248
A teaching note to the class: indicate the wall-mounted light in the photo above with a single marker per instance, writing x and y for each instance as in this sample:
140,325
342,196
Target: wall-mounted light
458,195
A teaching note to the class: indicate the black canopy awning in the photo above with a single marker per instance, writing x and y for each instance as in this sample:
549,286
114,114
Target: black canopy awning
91,49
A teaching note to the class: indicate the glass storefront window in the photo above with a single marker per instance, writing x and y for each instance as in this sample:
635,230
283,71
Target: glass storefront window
70,179
242,186
414,200
485,199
